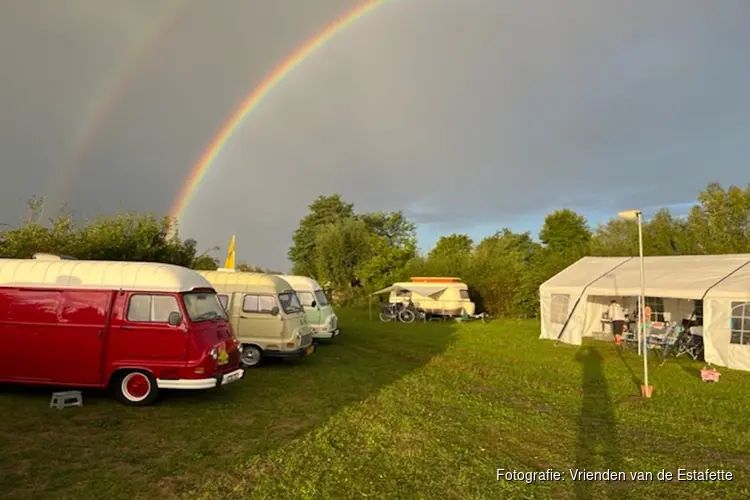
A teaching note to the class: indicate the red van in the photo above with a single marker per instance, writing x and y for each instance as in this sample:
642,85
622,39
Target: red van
135,327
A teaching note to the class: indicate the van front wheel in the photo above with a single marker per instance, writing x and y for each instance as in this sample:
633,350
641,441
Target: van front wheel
136,388
251,356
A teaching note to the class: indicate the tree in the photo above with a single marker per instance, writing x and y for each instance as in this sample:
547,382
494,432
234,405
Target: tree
665,235
248,268
205,263
502,273
342,248
393,227
452,245
323,211
616,238
566,232
721,221
386,264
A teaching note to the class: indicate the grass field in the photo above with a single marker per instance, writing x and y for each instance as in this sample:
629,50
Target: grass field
393,411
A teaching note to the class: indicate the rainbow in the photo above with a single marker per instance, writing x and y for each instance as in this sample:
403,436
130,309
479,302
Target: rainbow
198,172
110,94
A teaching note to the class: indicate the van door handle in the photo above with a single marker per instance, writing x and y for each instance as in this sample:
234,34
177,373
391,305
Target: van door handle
125,327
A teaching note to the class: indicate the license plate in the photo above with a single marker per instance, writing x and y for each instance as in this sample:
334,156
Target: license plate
310,350
231,378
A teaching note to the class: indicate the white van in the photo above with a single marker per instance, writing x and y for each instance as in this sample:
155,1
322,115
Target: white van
435,295
320,315
265,313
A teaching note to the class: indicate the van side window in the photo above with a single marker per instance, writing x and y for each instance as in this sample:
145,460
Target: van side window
250,304
224,299
151,308
464,294
266,303
306,298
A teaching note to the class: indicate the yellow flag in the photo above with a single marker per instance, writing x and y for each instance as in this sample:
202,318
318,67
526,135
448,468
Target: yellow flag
229,263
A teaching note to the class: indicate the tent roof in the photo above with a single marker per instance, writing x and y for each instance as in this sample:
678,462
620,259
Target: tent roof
420,289
681,277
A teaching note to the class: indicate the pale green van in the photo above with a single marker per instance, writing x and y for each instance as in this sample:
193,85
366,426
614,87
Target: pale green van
265,313
320,315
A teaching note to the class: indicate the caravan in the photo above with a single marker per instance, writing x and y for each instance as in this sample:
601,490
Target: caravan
265,313
434,295
320,315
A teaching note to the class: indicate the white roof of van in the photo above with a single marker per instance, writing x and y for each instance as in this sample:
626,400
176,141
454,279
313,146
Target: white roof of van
246,281
102,275
301,282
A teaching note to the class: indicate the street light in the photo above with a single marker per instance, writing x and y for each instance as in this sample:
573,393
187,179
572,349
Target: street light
642,341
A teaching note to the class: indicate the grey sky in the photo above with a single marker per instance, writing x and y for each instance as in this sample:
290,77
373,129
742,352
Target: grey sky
463,113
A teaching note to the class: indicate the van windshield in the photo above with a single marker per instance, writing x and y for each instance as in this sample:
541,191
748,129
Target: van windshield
464,293
290,302
204,306
321,298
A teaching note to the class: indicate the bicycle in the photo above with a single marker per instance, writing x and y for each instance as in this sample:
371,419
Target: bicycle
397,312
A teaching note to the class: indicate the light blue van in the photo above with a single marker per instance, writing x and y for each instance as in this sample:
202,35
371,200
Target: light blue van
320,315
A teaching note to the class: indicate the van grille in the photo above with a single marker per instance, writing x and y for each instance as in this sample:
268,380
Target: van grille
306,339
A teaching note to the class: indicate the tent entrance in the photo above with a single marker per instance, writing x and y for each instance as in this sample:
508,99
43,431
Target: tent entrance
663,309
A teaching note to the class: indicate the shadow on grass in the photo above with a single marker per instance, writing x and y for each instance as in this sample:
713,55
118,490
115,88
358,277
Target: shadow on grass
164,449
597,441
689,366
633,377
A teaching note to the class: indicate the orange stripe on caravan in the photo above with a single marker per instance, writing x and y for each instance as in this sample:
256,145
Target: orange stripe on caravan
435,280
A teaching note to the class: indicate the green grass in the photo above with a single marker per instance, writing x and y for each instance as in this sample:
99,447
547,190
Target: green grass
393,411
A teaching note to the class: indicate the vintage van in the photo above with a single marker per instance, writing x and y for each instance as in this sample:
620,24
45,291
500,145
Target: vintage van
435,295
135,327
266,314
320,315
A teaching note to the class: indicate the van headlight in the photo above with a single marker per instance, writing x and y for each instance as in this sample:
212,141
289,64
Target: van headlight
214,354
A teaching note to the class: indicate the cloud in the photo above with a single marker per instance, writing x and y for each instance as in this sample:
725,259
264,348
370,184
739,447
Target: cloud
462,114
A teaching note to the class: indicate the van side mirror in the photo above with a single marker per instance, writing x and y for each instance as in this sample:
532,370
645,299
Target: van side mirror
175,318
274,310
313,304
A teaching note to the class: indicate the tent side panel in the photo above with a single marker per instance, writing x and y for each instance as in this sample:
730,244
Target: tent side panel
717,333
556,310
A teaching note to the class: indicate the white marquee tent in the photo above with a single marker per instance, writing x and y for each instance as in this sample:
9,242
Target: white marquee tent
714,287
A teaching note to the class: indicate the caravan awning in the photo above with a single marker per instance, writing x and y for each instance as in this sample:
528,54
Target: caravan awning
426,291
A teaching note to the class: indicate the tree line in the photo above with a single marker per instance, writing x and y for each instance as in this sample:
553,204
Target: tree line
128,236
354,254
357,254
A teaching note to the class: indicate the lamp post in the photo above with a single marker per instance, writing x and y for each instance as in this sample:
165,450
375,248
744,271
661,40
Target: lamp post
642,340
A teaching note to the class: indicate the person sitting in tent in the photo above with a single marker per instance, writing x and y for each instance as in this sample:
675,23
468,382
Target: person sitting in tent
617,316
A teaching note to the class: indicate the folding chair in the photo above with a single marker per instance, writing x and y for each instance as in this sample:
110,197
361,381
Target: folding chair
690,344
629,340
664,345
